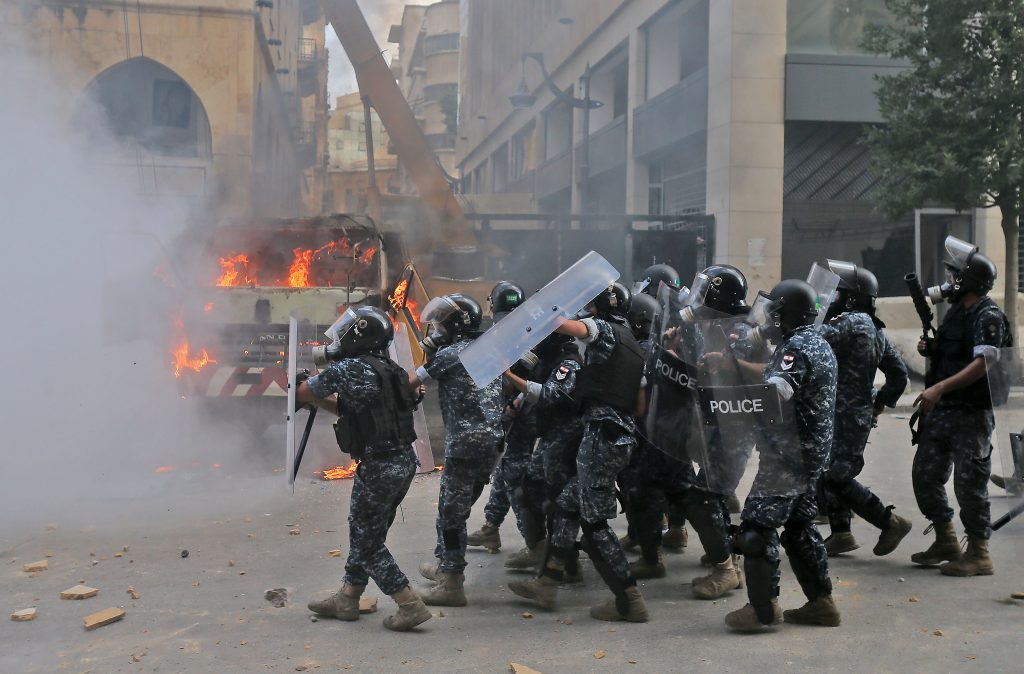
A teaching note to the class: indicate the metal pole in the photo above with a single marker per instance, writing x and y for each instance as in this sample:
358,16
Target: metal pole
373,207
585,149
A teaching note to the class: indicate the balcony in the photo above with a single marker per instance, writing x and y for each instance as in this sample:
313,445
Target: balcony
309,50
607,148
522,185
554,175
671,116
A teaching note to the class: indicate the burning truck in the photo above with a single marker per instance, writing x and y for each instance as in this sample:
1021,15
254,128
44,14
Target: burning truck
231,335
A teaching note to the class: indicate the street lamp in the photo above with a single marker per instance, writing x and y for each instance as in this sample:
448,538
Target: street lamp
523,99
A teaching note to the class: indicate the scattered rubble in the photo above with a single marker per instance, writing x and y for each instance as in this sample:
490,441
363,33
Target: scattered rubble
132,593
521,669
101,618
24,615
334,553
79,592
599,655
35,567
184,554
367,605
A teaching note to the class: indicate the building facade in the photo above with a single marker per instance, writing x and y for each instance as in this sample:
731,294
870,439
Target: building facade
222,104
427,70
750,111
348,166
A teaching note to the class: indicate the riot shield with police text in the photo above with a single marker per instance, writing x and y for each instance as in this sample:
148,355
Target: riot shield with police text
301,339
1005,372
536,318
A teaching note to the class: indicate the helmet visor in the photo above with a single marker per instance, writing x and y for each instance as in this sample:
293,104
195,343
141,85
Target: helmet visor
640,286
761,312
699,290
438,309
341,326
847,273
959,252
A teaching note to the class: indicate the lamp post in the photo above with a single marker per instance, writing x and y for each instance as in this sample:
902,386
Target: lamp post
523,99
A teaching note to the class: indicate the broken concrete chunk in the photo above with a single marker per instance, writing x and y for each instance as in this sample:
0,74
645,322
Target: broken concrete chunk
368,604
133,593
104,617
522,669
33,567
79,592
294,532
24,615
334,553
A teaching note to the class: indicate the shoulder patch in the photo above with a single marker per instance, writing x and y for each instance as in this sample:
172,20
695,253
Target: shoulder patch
787,361
563,372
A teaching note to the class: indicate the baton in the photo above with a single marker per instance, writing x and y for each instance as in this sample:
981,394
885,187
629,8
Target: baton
1005,519
302,444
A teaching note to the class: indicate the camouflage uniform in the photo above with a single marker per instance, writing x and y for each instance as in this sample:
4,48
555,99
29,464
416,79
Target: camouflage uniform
472,423
956,436
589,497
803,369
724,459
511,470
381,482
861,348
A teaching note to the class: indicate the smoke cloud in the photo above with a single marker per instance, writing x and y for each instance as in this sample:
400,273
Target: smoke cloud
381,15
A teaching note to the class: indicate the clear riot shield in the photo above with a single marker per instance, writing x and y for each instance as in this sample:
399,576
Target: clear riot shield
670,422
301,339
1005,372
401,353
536,318
825,283
739,413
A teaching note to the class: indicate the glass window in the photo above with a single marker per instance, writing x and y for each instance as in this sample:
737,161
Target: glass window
832,26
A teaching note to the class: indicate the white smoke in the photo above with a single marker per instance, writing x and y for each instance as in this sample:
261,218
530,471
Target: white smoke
86,419
381,15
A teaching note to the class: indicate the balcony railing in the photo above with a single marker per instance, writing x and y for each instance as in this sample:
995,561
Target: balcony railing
607,147
672,115
554,175
308,50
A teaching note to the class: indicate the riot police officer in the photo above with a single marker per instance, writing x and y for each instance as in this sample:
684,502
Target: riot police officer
857,338
472,422
652,278
375,426
609,391
956,408
803,372
504,298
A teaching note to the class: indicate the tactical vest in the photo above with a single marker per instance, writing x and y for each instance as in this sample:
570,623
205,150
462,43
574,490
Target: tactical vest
956,351
616,381
387,424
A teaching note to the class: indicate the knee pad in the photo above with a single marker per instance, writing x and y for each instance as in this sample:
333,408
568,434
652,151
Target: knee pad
750,541
591,528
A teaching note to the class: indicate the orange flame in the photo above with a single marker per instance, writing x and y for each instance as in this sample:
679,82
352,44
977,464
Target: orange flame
234,271
298,274
341,472
400,298
164,469
182,357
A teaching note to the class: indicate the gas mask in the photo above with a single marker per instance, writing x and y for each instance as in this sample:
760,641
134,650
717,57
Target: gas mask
695,297
960,253
767,323
948,291
336,350
437,314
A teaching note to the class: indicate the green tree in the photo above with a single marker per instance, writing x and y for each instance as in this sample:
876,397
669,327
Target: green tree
953,132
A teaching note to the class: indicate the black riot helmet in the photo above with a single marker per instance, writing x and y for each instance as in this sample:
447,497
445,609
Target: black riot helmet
449,317
721,287
654,276
613,302
967,271
858,288
357,332
643,313
504,298
472,314
796,303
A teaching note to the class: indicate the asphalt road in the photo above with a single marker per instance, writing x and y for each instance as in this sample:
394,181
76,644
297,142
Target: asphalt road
206,612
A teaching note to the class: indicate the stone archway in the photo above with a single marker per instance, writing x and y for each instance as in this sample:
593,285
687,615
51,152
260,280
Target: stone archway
146,106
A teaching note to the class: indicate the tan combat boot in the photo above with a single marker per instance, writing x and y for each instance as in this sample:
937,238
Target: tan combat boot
642,569
945,548
745,619
821,611
675,538
723,578
342,605
429,570
899,527
974,562
411,611
543,590
628,543
488,537
448,591
609,611
526,558
840,543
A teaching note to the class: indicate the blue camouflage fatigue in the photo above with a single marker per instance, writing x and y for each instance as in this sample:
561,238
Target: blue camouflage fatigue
508,476
473,439
589,497
382,479
803,369
561,428
861,349
956,437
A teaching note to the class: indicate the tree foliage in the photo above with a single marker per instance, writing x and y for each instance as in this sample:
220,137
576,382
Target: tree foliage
953,133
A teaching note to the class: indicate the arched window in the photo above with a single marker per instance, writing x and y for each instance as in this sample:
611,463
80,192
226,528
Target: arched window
145,105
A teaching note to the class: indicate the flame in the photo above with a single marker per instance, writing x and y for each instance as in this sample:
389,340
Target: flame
208,307
400,298
164,469
234,271
340,472
367,256
439,468
298,274
182,357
